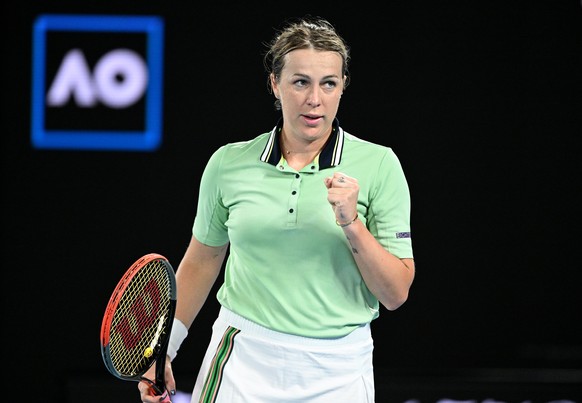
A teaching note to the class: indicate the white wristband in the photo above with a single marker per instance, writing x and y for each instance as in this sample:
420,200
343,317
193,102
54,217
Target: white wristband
177,336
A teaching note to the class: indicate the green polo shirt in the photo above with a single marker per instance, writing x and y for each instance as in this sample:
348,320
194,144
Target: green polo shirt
290,267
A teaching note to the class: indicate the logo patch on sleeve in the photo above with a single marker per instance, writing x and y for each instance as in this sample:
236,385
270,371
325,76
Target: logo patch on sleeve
403,235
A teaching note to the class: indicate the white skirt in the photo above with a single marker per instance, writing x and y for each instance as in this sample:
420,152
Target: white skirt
248,363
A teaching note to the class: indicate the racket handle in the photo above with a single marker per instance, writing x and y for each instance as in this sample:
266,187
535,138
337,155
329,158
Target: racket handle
164,395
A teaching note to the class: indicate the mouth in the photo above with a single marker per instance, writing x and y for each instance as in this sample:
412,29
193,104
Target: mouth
312,119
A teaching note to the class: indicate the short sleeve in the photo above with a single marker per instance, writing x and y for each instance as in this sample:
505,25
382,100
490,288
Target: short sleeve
209,224
389,213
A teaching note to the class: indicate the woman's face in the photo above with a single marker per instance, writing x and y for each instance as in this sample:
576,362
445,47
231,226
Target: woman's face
310,88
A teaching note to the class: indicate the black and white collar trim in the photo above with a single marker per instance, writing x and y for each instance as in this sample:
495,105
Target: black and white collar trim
330,156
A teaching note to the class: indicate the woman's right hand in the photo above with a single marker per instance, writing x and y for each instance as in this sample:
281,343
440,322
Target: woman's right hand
147,393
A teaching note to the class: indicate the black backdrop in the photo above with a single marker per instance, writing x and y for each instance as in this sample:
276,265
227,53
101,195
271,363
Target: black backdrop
480,100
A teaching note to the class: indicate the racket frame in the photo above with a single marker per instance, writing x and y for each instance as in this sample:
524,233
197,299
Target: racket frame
160,358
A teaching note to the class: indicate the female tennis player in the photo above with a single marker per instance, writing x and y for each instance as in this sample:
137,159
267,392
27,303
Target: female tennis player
314,224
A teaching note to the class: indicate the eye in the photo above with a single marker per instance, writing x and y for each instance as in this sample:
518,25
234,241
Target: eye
330,84
300,83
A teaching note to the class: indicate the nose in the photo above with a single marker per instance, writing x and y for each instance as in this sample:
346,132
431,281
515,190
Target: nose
313,99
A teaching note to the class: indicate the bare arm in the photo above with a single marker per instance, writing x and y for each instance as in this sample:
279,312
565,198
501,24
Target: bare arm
388,277
195,277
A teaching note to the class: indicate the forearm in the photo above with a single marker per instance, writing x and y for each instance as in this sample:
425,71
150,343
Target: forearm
195,278
194,285
386,276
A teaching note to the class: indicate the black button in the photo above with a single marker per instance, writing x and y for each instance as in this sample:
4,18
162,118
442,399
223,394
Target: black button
297,175
293,192
313,167
290,210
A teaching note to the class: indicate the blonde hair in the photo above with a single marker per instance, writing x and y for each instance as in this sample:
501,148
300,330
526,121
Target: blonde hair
307,32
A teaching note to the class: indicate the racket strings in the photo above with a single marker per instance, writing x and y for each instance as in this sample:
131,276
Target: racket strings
140,320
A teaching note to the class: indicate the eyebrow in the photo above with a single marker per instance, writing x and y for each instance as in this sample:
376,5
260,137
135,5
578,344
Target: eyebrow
323,78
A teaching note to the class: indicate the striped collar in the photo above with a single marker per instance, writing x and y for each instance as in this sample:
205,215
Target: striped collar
330,156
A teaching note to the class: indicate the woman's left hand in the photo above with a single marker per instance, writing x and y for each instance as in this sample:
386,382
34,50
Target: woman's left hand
342,195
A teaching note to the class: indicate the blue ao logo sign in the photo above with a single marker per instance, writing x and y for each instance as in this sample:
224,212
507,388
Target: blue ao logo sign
97,82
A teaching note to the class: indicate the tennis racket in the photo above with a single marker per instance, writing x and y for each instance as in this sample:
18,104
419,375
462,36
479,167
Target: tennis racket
136,326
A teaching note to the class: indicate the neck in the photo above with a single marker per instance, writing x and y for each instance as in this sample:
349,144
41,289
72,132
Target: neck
307,148
300,155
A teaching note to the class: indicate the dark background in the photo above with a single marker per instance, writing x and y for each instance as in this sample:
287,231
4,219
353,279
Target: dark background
480,100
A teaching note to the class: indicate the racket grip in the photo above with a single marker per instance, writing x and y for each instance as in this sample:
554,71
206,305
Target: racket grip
164,395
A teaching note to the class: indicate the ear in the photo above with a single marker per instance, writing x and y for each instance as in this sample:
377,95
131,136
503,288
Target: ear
274,85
